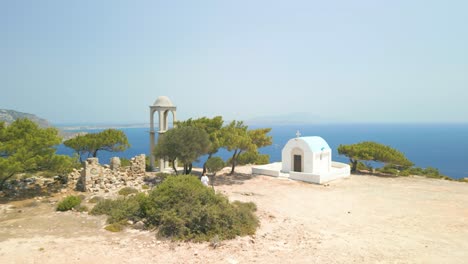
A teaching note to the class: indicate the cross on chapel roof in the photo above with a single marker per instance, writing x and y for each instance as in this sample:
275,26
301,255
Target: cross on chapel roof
298,134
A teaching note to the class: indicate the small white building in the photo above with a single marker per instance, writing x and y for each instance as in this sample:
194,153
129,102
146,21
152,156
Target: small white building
306,159
306,154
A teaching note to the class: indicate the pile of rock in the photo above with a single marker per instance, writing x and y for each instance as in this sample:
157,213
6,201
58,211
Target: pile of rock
33,186
93,177
137,166
97,178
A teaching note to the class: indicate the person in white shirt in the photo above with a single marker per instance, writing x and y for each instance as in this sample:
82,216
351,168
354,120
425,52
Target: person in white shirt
205,180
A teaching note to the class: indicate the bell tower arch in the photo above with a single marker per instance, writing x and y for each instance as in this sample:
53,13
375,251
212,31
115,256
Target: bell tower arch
163,106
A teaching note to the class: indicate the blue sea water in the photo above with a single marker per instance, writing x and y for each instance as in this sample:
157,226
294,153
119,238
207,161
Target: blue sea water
443,146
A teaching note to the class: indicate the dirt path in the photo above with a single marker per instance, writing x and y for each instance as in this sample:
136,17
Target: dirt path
362,219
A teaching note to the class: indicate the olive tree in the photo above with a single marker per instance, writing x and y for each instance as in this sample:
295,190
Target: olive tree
373,151
111,140
25,147
213,127
237,138
185,144
213,165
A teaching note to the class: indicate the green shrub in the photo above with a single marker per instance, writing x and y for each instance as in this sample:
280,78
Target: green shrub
429,172
148,166
405,173
183,209
162,175
121,209
262,159
124,162
389,170
416,171
145,187
251,158
68,203
127,190
103,207
95,199
214,164
362,166
81,208
116,227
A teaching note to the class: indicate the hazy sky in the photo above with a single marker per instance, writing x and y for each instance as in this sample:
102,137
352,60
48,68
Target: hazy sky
107,61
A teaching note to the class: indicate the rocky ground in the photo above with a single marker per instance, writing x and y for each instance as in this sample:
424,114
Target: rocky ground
363,219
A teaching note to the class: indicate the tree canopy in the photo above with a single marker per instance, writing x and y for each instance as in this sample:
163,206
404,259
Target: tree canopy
25,147
239,139
213,165
185,144
373,151
111,140
212,126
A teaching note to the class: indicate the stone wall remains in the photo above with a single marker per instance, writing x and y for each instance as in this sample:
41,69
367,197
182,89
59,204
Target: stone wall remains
93,177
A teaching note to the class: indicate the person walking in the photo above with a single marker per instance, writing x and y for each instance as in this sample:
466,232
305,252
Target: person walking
204,179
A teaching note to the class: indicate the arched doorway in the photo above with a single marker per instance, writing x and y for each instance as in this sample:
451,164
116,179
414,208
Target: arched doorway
297,160
297,163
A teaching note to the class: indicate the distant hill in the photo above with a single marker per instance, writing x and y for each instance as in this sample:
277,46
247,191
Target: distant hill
300,118
8,116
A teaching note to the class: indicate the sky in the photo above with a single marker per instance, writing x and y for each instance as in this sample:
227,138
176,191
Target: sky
327,61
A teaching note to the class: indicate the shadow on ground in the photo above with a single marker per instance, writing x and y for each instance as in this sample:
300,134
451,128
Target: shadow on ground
236,178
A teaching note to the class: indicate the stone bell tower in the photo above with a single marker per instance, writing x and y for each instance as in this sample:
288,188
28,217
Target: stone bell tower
163,106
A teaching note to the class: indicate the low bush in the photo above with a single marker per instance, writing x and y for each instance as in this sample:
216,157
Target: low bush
148,166
388,170
103,207
81,208
120,210
182,208
95,199
251,158
116,227
145,187
214,164
162,175
405,173
127,191
68,203
429,172
362,166
124,162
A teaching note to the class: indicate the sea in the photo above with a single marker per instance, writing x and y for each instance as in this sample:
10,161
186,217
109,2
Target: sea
442,146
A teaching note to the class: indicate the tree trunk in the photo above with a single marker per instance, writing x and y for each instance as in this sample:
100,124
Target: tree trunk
174,167
233,162
354,165
2,181
204,164
187,168
95,153
212,180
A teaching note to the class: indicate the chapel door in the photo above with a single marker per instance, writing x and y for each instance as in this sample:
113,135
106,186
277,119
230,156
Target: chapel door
298,163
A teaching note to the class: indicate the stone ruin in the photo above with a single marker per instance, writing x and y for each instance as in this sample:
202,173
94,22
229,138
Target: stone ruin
94,177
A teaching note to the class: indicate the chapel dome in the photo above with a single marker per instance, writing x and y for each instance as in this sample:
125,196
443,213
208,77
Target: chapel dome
163,101
315,144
